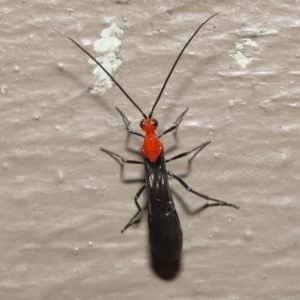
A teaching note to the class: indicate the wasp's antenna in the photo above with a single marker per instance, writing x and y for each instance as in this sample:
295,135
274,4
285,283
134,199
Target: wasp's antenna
110,76
176,61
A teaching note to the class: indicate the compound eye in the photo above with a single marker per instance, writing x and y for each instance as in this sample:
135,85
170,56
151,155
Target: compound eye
142,123
154,122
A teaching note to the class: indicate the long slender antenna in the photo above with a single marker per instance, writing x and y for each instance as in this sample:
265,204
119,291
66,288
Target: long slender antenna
110,76
174,65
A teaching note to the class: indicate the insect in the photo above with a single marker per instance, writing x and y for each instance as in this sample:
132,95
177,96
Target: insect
165,234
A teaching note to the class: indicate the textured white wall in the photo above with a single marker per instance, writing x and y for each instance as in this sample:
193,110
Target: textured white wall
62,205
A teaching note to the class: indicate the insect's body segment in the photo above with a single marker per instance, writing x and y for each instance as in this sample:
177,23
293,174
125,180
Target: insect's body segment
165,235
152,147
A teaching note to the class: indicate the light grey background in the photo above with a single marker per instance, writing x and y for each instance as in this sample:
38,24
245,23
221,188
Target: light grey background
62,203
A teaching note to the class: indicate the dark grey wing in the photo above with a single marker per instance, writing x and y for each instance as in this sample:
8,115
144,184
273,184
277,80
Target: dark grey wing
165,235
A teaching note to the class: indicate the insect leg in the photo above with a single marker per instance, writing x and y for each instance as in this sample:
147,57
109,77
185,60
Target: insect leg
175,124
119,157
127,123
121,160
132,221
128,161
197,149
188,188
188,209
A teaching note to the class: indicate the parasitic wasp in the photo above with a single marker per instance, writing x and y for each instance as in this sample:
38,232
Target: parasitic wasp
165,234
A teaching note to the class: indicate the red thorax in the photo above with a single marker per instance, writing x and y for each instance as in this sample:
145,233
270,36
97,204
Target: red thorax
152,147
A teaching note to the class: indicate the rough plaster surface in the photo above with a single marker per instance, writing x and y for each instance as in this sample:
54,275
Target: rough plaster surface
62,202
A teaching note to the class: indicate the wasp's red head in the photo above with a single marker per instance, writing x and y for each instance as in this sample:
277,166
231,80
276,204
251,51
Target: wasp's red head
149,124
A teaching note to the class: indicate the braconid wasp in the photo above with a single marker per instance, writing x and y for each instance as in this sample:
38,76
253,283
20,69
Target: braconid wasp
165,234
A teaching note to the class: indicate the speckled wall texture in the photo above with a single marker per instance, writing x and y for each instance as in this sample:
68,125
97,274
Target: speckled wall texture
63,203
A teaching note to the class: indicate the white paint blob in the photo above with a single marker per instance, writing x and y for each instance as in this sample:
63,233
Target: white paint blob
107,46
244,44
238,54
